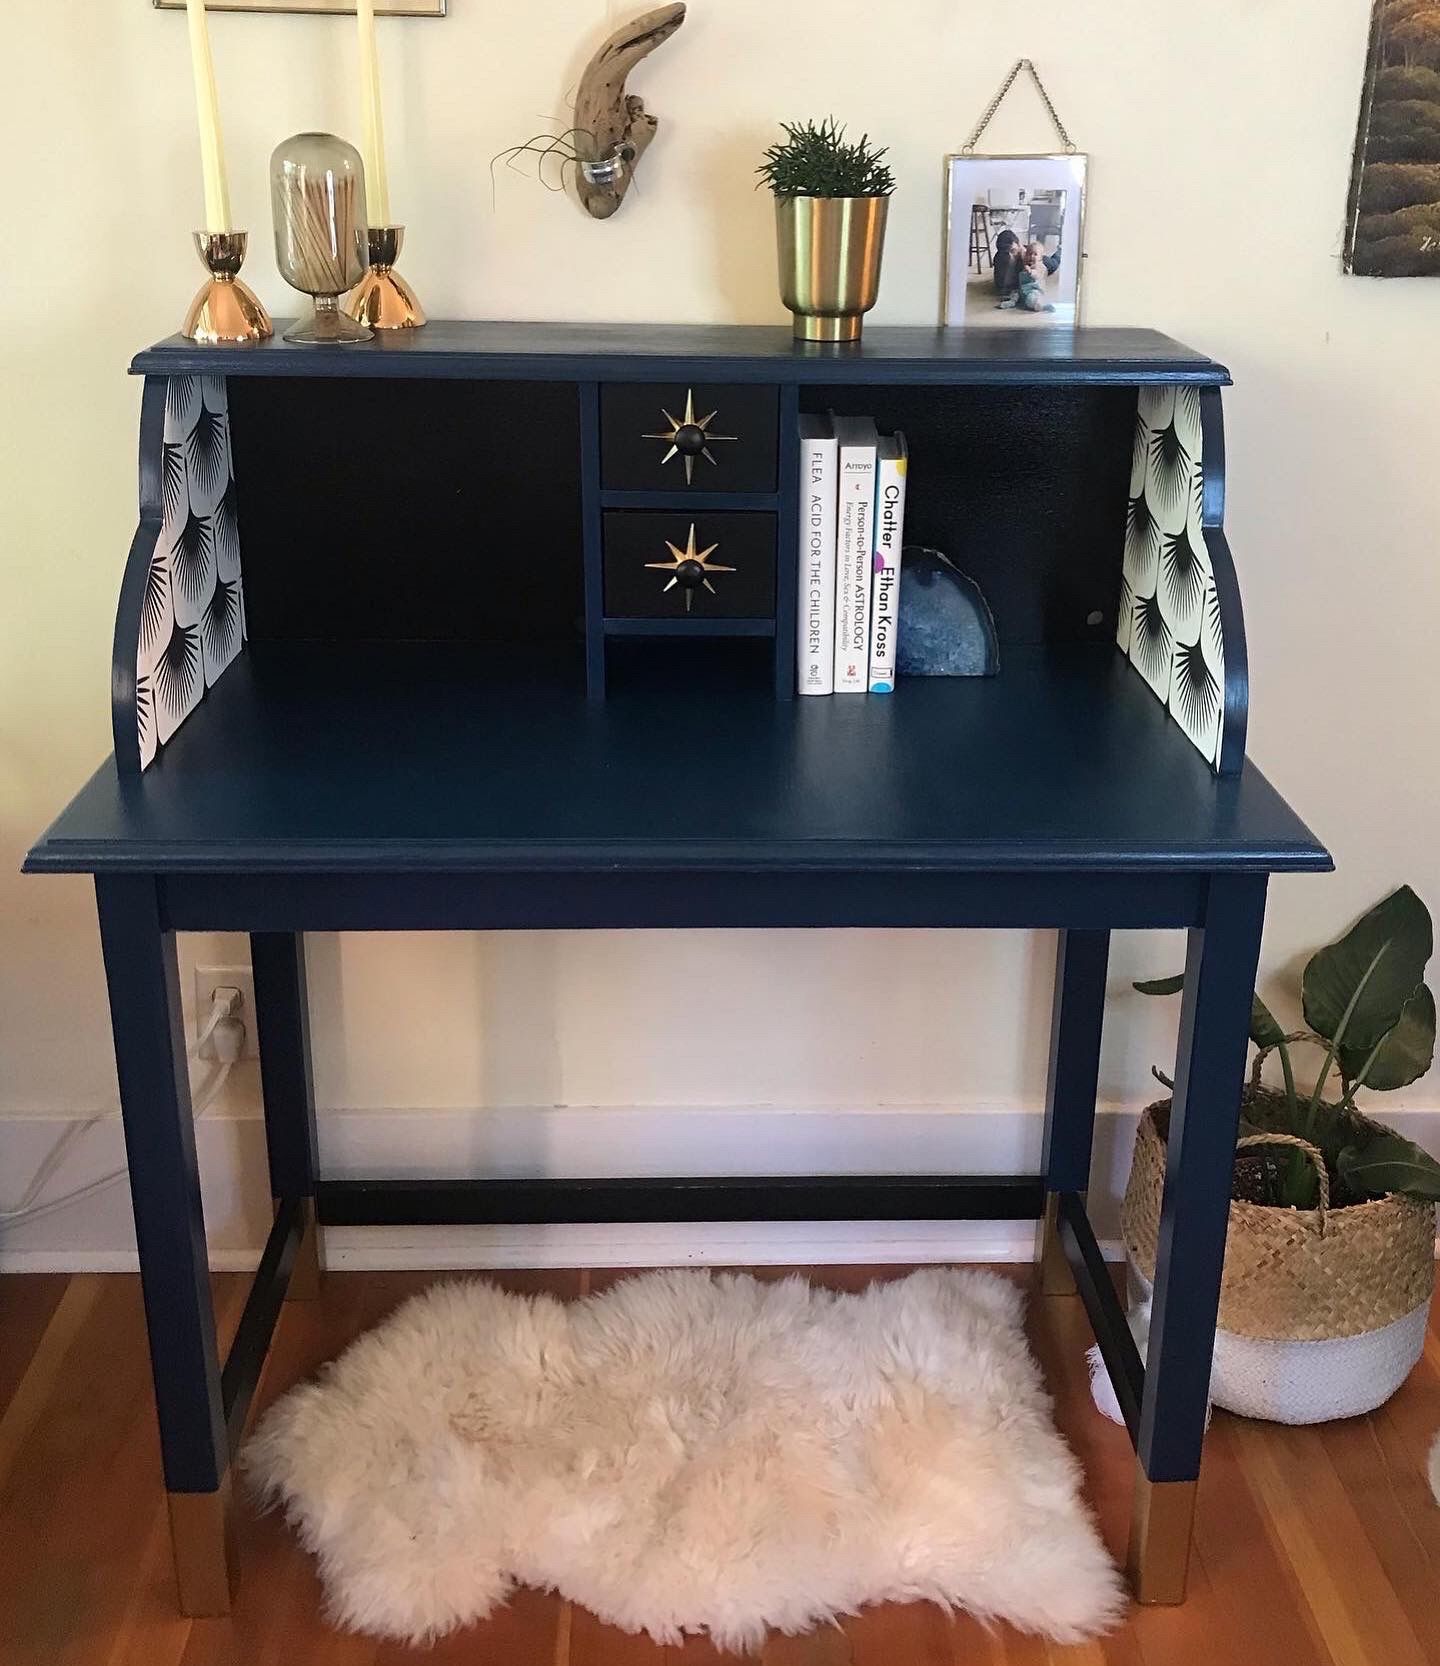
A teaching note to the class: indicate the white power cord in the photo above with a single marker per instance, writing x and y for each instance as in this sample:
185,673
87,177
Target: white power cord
228,1032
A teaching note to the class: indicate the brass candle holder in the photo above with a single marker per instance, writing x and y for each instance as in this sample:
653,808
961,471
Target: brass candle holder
382,299
225,310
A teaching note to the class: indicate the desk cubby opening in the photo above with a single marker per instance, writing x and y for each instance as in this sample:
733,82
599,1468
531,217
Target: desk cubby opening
1021,485
411,511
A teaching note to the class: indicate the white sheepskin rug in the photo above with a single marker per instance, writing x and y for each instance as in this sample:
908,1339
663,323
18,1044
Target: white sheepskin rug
687,1453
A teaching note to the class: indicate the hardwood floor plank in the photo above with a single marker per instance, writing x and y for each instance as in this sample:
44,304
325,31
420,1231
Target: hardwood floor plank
150,1632
921,1633
1359,1615
1255,1601
37,1388
1406,1428
85,1499
825,1646
27,1303
1389,1496
1076,1654
593,1643
566,1618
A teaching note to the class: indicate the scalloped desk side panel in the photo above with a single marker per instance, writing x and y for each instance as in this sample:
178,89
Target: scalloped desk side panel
1180,622
181,618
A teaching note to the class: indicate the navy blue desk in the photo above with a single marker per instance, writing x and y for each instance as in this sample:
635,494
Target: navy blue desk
388,752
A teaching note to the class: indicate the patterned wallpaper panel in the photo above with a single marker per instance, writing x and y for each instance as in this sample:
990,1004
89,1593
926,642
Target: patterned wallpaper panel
192,620
1169,609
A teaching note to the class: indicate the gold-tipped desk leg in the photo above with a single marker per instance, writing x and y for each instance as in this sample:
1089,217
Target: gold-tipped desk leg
202,1540
1056,1279
1162,1523
304,1285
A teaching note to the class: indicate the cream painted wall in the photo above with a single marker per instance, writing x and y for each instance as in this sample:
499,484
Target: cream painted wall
1220,136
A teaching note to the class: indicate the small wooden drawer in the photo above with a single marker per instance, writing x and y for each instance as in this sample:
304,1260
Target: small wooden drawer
719,565
676,437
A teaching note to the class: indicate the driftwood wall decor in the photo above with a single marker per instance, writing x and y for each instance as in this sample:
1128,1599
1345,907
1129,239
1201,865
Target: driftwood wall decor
616,121
612,127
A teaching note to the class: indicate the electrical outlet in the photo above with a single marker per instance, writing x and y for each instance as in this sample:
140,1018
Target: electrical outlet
207,980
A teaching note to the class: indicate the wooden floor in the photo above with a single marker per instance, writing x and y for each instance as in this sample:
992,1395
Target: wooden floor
1313,1546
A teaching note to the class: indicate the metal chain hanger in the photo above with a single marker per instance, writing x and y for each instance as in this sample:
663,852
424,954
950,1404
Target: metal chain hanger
968,148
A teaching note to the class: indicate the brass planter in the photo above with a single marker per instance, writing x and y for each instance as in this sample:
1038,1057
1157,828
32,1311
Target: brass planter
830,262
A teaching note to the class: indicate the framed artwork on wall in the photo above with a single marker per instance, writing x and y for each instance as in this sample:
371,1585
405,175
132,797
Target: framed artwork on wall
1392,220
386,8
1014,228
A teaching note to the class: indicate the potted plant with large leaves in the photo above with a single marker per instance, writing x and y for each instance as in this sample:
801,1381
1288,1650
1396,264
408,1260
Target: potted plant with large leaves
831,199
1329,1263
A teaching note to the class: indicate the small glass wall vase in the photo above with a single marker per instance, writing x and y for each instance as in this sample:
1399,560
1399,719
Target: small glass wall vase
317,194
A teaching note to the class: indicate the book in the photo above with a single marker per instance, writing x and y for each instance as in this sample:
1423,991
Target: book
854,550
815,612
891,463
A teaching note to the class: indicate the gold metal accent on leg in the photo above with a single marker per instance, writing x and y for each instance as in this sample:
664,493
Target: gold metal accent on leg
304,1285
1056,1279
1161,1524
202,1540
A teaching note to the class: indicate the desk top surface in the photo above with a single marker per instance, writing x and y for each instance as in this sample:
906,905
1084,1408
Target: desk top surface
400,759
888,354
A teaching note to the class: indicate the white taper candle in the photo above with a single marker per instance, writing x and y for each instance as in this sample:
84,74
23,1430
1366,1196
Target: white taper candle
377,184
212,151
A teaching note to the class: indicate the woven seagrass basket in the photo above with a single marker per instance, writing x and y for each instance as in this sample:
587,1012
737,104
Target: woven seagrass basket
1322,1311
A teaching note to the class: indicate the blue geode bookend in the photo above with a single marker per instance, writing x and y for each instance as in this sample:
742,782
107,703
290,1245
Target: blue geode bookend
946,627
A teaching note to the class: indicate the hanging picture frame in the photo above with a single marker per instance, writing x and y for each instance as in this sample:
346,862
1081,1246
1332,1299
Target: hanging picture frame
1392,219
383,8
1014,229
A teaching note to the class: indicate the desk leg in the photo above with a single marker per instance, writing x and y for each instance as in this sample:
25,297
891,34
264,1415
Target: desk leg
1220,964
282,1015
1079,1010
144,986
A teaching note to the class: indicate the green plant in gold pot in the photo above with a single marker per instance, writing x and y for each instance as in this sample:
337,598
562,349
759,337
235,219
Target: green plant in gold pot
1329,1263
832,195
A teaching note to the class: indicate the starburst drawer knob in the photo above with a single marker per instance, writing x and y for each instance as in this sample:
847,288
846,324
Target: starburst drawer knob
690,437
689,568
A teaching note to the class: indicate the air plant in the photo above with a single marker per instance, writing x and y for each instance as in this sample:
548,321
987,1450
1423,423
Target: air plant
576,146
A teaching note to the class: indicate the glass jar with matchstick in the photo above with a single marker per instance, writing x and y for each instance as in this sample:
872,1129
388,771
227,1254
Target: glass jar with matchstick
317,193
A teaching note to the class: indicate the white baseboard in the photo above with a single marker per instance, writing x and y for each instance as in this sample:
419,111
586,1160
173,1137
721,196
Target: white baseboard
718,1244
602,1141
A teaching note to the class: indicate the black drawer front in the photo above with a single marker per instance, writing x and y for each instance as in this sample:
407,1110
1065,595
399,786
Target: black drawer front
719,565
701,436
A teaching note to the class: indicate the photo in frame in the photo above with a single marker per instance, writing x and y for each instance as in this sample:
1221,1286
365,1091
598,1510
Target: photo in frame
383,8
1014,240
